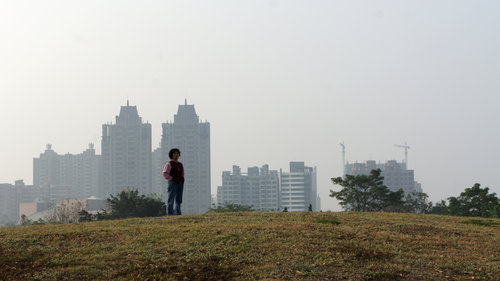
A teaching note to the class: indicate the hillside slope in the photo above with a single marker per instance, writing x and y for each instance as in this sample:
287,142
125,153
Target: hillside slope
257,245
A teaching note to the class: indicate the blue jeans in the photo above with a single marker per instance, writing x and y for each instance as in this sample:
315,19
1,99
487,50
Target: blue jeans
174,195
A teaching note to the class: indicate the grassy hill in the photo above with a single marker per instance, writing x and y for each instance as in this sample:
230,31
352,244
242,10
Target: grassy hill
257,245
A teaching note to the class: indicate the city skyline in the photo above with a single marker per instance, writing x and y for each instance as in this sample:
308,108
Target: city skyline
279,81
129,161
162,157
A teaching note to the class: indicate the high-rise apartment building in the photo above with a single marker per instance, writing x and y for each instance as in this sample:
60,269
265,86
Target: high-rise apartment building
126,154
395,174
159,183
46,168
299,188
81,173
12,195
8,204
68,175
258,188
192,138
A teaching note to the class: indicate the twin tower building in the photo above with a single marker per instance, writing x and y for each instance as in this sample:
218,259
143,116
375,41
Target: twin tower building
128,160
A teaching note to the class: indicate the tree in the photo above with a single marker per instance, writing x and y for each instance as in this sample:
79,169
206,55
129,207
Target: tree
310,208
440,208
128,203
366,193
67,211
395,201
475,202
85,216
25,220
230,207
40,221
416,202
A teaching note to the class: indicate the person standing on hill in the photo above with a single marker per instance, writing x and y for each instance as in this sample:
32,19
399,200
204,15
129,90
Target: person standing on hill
174,174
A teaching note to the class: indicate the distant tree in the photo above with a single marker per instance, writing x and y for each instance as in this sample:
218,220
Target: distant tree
104,215
128,203
366,193
494,210
310,208
440,208
395,202
230,207
66,211
99,216
475,202
85,216
25,220
40,221
416,202
285,210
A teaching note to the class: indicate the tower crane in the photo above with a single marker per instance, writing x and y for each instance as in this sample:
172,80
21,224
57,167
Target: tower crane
406,147
343,157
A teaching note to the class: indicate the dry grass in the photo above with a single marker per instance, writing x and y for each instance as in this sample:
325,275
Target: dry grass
257,245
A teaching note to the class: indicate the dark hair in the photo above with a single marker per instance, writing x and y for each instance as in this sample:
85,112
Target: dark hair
172,151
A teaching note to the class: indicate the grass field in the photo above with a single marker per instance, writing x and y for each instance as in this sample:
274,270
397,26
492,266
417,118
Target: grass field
257,245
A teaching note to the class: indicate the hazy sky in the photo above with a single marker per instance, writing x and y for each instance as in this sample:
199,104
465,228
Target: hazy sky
279,81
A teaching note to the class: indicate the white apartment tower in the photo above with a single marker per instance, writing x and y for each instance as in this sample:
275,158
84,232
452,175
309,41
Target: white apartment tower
299,188
192,138
126,154
258,188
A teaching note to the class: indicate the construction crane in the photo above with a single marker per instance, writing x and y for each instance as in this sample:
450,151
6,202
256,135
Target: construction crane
343,157
406,147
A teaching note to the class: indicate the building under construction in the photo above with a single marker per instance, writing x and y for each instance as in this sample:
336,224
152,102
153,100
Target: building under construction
396,175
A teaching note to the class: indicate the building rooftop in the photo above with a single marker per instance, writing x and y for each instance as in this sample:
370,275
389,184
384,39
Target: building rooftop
186,113
128,114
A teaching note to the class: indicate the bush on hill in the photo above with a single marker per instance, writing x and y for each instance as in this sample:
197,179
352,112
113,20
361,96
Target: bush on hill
229,207
128,204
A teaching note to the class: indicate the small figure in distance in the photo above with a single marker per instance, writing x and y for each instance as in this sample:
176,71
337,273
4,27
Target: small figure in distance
173,172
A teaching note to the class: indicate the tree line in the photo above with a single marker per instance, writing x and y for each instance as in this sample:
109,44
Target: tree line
125,204
367,193
361,193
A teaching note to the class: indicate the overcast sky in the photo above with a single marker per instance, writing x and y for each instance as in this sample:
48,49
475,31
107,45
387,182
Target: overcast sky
279,81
